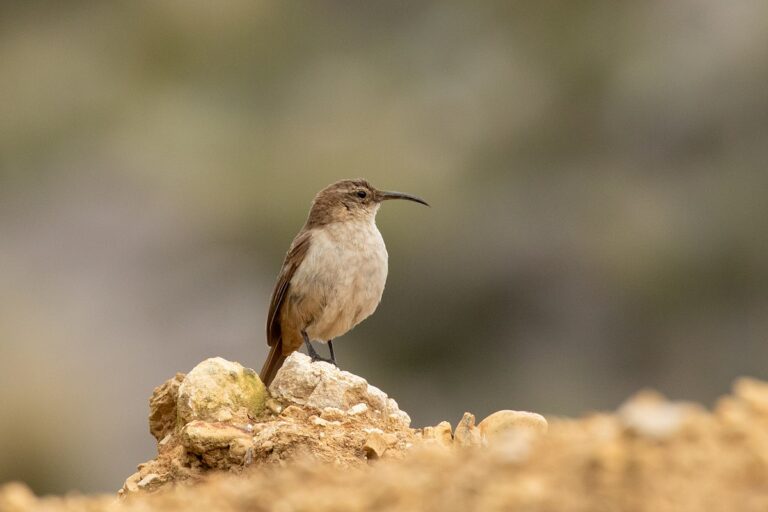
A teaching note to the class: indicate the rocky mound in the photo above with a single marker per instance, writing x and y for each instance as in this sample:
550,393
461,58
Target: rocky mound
220,417
307,444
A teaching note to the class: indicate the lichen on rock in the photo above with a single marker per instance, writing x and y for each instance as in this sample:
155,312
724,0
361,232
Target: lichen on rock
220,390
652,455
220,417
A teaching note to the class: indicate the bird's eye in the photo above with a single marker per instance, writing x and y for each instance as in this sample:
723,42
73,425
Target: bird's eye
362,194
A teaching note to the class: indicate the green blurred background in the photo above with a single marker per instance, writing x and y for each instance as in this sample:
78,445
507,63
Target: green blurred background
597,174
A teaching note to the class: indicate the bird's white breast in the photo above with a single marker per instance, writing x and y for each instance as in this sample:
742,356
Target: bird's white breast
343,276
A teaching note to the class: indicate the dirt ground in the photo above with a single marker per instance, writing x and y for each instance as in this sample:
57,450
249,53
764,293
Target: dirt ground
650,455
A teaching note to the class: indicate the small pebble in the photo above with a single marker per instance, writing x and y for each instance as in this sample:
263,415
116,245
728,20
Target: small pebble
360,408
506,423
323,422
147,480
131,483
467,434
274,406
332,413
441,434
375,446
651,415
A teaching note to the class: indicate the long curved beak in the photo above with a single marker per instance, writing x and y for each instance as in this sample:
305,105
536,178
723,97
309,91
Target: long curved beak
383,196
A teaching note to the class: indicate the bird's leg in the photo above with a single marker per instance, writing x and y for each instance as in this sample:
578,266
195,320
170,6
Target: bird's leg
312,352
333,357
310,349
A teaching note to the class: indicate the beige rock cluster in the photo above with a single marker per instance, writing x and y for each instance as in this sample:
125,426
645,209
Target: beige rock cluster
652,455
321,385
220,417
509,432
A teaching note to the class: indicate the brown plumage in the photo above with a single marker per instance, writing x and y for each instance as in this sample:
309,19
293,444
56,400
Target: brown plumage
333,274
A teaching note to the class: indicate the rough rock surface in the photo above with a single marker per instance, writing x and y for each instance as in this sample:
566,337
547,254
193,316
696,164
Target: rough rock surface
220,417
162,407
653,455
320,385
715,461
219,390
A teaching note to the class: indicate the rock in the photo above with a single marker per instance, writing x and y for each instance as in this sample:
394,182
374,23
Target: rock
218,390
17,496
132,483
332,414
320,385
503,424
390,438
162,407
322,422
219,445
467,434
375,445
152,480
440,435
200,436
752,392
650,414
274,406
360,408
219,418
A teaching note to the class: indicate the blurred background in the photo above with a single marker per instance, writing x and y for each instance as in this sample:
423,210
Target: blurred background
597,174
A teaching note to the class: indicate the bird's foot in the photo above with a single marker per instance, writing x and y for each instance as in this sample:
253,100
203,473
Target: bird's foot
315,356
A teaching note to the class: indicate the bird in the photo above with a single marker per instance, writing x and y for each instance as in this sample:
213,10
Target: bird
333,275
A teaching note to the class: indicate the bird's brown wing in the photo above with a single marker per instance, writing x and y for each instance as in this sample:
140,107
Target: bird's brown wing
293,259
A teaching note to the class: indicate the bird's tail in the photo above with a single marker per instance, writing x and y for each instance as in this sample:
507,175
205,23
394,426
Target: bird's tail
273,363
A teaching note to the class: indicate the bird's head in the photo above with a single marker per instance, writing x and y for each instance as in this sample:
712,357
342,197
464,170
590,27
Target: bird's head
348,200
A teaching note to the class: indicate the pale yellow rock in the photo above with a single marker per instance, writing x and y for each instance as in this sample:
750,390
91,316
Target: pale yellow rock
17,496
201,437
375,445
467,434
506,423
444,433
217,390
753,392
274,406
240,446
390,439
439,435
149,481
332,414
320,385
651,415
356,409
132,483
322,422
